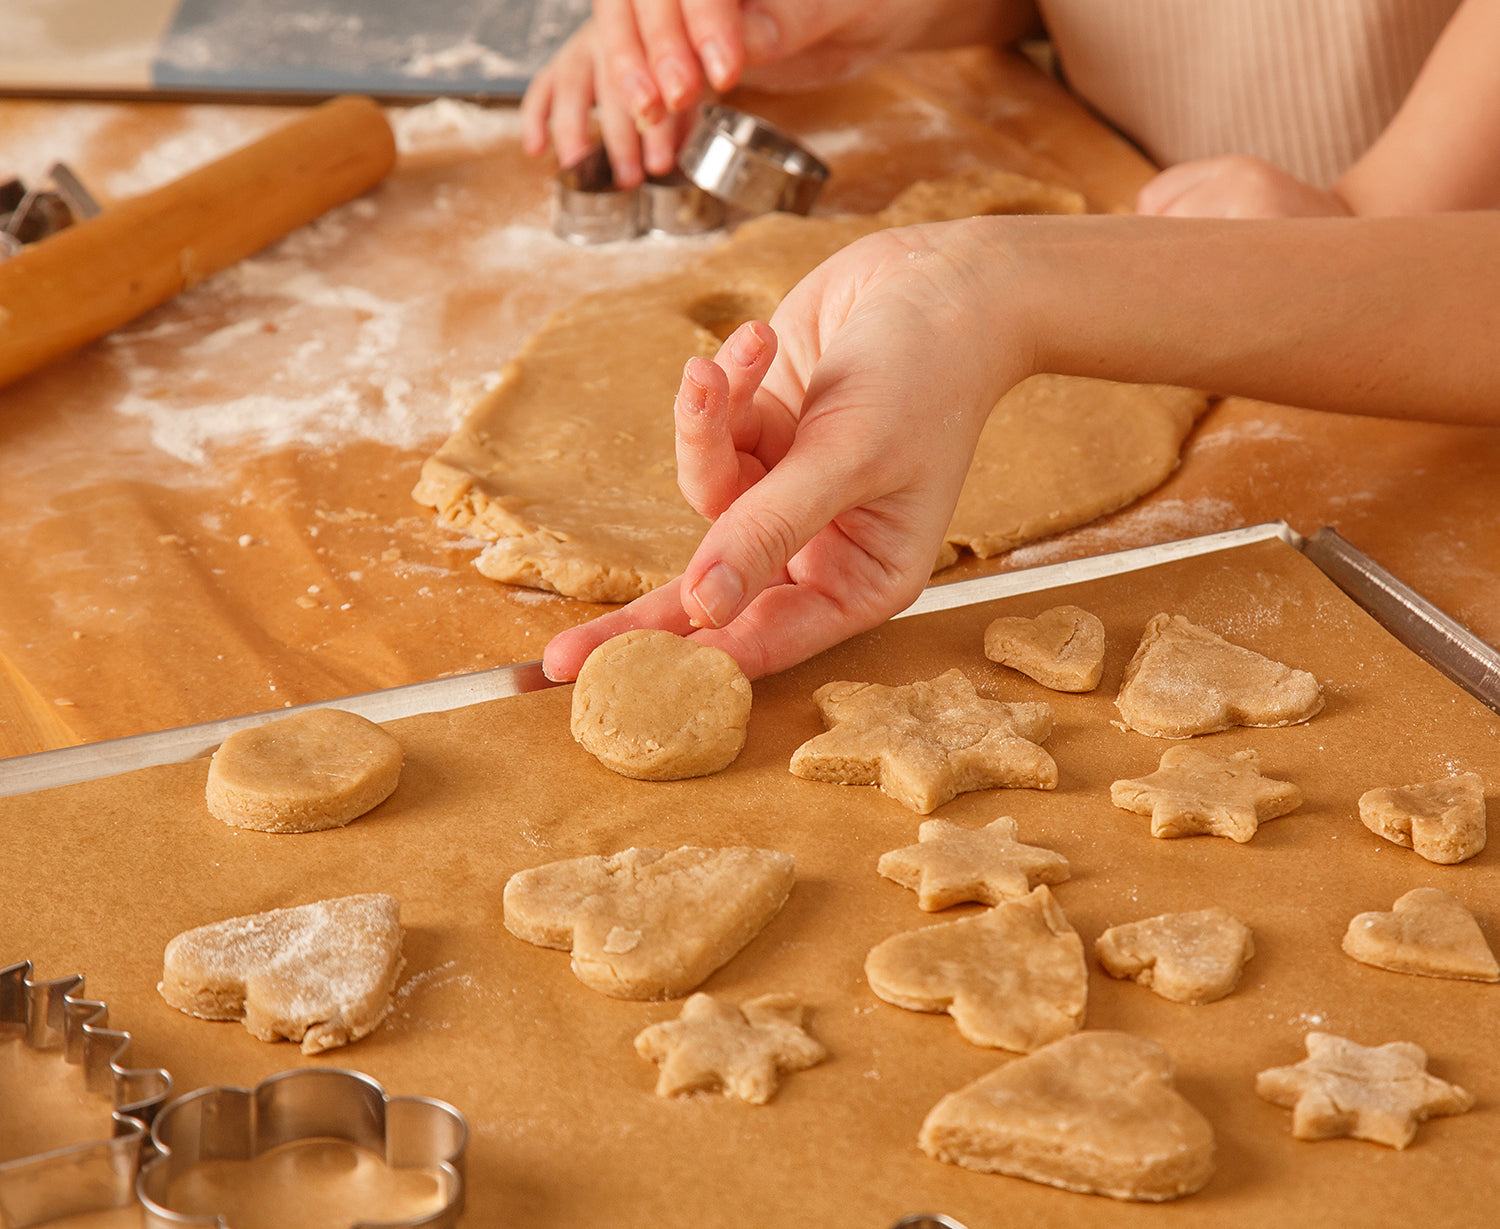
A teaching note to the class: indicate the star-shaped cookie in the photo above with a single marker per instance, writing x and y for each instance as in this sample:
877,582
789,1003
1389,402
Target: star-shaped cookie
1186,957
1195,792
950,864
1062,648
926,742
1378,1093
742,1050
1427,932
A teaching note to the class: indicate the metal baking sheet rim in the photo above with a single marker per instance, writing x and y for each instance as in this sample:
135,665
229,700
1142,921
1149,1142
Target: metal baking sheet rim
71,765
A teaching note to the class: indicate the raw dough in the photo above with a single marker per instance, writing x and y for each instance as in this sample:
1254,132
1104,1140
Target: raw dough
1378,1093
1012,977
568,466
743,1050
1185,680
1444,821
1427,932
657,707
643,924
926,742
1062,648
305,773
1096,1113
950,864
321,974
1197,792
1186,957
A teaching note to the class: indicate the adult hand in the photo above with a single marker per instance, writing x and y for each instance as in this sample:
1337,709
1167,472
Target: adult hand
1235,187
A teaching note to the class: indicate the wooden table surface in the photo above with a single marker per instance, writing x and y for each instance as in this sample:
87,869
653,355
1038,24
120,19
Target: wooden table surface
209,513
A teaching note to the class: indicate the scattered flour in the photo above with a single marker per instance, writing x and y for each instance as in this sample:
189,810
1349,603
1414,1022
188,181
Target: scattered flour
449,123
468,54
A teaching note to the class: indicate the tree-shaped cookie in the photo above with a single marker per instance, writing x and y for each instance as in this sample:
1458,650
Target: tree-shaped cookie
1378,1093
1012,977
1444,821
321,974
1096,1112
950,864
643,924
1427,932
742,1050
925,742
1195,792
1185,680
1062,648
1186,957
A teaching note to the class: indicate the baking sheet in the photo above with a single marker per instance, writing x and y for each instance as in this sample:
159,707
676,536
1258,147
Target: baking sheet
566,1129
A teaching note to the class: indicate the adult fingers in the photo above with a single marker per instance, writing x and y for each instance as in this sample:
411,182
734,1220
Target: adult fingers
1157,197
672,59
661,608
620,56
558,101
715,29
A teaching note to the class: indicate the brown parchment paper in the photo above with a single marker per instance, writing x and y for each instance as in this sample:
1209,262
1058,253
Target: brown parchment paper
566,1130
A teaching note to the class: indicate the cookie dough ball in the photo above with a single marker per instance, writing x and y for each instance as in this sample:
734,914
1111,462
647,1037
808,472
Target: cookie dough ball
316,770
656,707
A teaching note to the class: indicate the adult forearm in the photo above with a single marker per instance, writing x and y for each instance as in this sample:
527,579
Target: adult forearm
1396,317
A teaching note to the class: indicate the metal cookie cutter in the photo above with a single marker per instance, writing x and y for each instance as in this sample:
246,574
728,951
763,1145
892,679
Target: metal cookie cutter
83,1177
590,209
749,164
30,214
308,1103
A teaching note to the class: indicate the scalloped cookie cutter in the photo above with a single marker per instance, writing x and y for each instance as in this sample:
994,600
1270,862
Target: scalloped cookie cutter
98,1174
307,1103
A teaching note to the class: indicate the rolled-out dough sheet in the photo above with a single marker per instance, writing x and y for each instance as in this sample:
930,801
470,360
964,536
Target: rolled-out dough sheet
568,469
567,1132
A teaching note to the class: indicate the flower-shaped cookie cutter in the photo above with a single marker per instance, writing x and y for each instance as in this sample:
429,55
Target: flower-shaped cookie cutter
91,1176
307,1103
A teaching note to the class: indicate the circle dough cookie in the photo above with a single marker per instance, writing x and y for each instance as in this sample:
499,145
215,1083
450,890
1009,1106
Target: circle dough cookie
656,707
317,770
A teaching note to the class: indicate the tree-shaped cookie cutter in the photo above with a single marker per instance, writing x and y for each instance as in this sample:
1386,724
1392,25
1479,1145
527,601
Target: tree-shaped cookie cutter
99,1174
307,1103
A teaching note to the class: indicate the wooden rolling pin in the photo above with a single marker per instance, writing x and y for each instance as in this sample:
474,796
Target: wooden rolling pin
66,290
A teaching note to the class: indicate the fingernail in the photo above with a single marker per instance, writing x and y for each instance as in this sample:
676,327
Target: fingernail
715,63
675,83
748,346
762,35
718,595
645,106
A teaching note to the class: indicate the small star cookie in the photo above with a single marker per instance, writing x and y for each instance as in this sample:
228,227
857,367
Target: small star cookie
1186,957
1427,932
1185,680
1096,1113
742,1050
1195,792
926,742
1378,1093
1444,821
1062,648
1012,977
950,864
643,924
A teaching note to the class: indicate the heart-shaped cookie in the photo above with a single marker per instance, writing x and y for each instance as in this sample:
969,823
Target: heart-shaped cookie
1186,957
1427,932
1096,1112
1062,648
644,924
321,974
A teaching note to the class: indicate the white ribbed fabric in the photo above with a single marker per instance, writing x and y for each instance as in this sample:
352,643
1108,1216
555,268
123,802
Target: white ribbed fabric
1306,84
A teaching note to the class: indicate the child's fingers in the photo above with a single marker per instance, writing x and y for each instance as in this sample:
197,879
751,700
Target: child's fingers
566,652
715,30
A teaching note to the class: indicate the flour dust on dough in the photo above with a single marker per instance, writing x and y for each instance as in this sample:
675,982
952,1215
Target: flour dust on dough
567,468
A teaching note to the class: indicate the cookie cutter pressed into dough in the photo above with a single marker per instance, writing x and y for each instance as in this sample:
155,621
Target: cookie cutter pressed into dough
750,164
98,1174
591,209
307,1103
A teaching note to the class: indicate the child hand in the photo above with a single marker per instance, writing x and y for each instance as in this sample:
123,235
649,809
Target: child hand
1235,187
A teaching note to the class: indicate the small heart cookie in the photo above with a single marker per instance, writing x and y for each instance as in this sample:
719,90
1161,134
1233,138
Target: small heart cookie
1096,1112
644,924
1062,648
1186,957
1427,932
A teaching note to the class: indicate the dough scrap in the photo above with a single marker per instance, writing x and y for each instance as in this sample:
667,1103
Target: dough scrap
658,707
1379,1093
644,924
305,773
924,743
950,864
1427,932
742,1050
1195,792
1013,977
1192,957
1062,648
1185,680
1444,821
568,469
321,974
1095,1113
